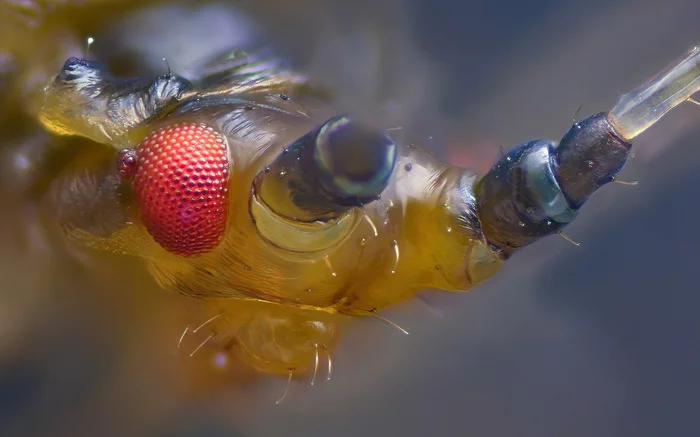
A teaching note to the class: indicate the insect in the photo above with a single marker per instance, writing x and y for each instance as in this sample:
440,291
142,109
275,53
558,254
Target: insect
246,186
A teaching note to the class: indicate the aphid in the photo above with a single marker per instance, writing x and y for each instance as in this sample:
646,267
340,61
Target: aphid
249,188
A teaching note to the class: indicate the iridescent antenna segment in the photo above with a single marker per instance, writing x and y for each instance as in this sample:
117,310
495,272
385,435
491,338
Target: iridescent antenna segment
637,110
537,188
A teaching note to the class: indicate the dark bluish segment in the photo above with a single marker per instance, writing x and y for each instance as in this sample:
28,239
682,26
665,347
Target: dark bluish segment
538,187
85,77
75,68
519,200
353,161
589,156
339,165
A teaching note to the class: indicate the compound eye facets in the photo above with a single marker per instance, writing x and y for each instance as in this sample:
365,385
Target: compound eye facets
180,175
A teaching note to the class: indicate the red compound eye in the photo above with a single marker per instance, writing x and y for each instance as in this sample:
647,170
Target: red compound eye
180,180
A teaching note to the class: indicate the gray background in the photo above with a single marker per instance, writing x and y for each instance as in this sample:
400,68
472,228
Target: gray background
599,340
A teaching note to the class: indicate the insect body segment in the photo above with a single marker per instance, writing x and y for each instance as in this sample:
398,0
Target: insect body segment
302,218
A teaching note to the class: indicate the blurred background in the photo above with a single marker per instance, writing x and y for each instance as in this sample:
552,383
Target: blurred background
596,340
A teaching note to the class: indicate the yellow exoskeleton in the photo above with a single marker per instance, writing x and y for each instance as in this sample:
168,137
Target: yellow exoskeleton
248,187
